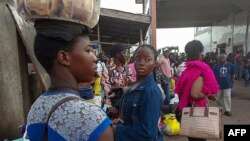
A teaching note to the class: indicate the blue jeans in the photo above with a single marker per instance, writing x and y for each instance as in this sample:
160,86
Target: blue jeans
166,90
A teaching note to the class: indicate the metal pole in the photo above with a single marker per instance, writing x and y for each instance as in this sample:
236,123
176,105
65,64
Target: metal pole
98,36
141,36
98,32
153,22
246,36
143,6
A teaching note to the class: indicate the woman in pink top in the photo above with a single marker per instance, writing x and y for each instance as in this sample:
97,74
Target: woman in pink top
195,82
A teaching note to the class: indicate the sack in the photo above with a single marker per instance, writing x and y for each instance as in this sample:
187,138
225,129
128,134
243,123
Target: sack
170,125
201,122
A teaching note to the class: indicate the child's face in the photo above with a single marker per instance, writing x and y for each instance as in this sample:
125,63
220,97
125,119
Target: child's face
144,62
83,60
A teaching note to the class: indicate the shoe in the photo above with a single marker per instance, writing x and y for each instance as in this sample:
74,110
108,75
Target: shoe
227,113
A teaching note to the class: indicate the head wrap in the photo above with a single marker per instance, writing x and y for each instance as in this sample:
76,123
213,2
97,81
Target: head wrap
62,30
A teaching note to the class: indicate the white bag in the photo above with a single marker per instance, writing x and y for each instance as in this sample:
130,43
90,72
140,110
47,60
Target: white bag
201,122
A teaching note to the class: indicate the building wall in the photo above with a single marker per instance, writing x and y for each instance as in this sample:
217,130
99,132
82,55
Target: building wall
240,27
205,38
248,37
222,32
11,100
147,10
231,30
147,6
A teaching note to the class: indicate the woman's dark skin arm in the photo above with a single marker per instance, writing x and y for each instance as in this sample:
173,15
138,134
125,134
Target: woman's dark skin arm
107,135
196,93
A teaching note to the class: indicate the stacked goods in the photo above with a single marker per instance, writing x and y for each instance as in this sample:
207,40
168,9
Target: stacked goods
80,11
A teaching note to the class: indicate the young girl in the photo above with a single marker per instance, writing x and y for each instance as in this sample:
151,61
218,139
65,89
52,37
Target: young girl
141,104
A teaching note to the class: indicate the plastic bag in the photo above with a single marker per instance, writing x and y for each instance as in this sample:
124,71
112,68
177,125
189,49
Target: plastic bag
175,99
170,125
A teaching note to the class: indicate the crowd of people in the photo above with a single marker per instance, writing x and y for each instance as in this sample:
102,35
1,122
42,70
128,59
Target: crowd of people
110,97
131,95
240,63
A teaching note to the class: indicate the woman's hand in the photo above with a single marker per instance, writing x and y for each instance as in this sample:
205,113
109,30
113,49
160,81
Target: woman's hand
212,97
197,86
117,121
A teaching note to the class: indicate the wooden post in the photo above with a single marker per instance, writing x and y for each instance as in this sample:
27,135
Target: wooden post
141,37
153,22
99,39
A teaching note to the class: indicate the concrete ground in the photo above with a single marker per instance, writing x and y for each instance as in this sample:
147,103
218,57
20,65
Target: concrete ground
240,109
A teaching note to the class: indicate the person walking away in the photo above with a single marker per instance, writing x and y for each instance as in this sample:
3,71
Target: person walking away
196,82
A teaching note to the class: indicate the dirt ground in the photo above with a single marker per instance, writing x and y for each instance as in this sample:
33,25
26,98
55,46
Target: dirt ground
240,109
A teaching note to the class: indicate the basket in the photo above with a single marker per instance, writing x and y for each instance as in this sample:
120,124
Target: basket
85,12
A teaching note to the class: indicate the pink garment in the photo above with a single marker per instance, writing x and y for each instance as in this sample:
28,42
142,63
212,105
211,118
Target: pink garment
193,70
165,66
132,67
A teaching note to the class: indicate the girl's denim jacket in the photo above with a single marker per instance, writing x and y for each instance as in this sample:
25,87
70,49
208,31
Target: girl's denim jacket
140,111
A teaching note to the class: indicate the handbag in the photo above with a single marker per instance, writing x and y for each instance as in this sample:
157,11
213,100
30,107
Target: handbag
201,122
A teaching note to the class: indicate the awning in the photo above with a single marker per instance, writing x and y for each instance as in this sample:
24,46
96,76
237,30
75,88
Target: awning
196,13
119,26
